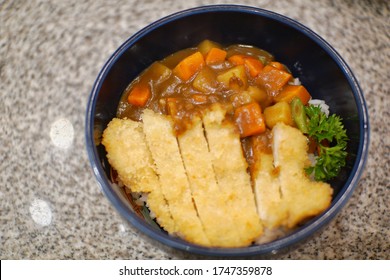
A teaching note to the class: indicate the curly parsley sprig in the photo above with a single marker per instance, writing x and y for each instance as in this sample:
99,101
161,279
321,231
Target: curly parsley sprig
330,130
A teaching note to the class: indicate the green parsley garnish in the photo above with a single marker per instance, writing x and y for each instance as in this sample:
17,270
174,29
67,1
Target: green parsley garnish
331,138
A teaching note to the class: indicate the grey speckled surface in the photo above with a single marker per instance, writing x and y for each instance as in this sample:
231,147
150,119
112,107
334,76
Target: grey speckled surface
50,53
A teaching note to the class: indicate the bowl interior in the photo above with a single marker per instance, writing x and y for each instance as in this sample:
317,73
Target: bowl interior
309,58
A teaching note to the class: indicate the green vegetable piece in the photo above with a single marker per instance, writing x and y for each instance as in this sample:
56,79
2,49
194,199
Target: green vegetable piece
299,114
331,137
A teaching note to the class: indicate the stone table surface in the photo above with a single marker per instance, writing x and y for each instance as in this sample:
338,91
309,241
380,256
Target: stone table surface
51,206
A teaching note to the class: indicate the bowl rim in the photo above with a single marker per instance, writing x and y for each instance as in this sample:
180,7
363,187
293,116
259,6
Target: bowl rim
272,247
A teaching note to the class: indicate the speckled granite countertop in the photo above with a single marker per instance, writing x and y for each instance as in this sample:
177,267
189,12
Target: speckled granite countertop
50,53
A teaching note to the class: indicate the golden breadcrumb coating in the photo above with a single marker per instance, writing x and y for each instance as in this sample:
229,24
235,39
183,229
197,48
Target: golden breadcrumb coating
230,169
285,195
210,201
304,198
270,207
197,183
173,178
129,155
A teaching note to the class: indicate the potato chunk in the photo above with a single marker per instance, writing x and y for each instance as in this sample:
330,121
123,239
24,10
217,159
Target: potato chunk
280,112
234,78
205,81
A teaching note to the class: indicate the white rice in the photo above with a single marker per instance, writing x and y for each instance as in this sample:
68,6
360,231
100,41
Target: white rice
295,82
318,102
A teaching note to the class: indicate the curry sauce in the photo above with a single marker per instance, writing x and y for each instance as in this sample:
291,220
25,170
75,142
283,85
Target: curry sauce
180,98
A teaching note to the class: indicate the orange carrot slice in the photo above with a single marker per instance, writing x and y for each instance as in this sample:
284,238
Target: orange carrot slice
273,79
249,119
253,65
289,92
237,59
215,55
139,95
189,66
277,65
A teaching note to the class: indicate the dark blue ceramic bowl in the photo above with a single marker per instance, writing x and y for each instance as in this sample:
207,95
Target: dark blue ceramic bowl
319,67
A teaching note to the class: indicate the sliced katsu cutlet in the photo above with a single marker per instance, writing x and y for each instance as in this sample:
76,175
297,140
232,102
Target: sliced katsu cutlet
285,196
230,168
172,175
128,154
209,199
303,197
267,190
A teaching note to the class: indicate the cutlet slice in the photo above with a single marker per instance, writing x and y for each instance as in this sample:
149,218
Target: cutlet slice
210,201
173,178
128,154
267,190
304,198
230,168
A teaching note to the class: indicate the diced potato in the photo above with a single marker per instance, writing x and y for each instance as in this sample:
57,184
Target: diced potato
205,81
205,46
234,78
280,112
158,72
257,93
241,98
260,95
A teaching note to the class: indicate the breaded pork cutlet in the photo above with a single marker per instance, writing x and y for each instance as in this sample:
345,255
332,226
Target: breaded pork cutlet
173,178
285,195
210,201
304,198
198,186
230,169
128,154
